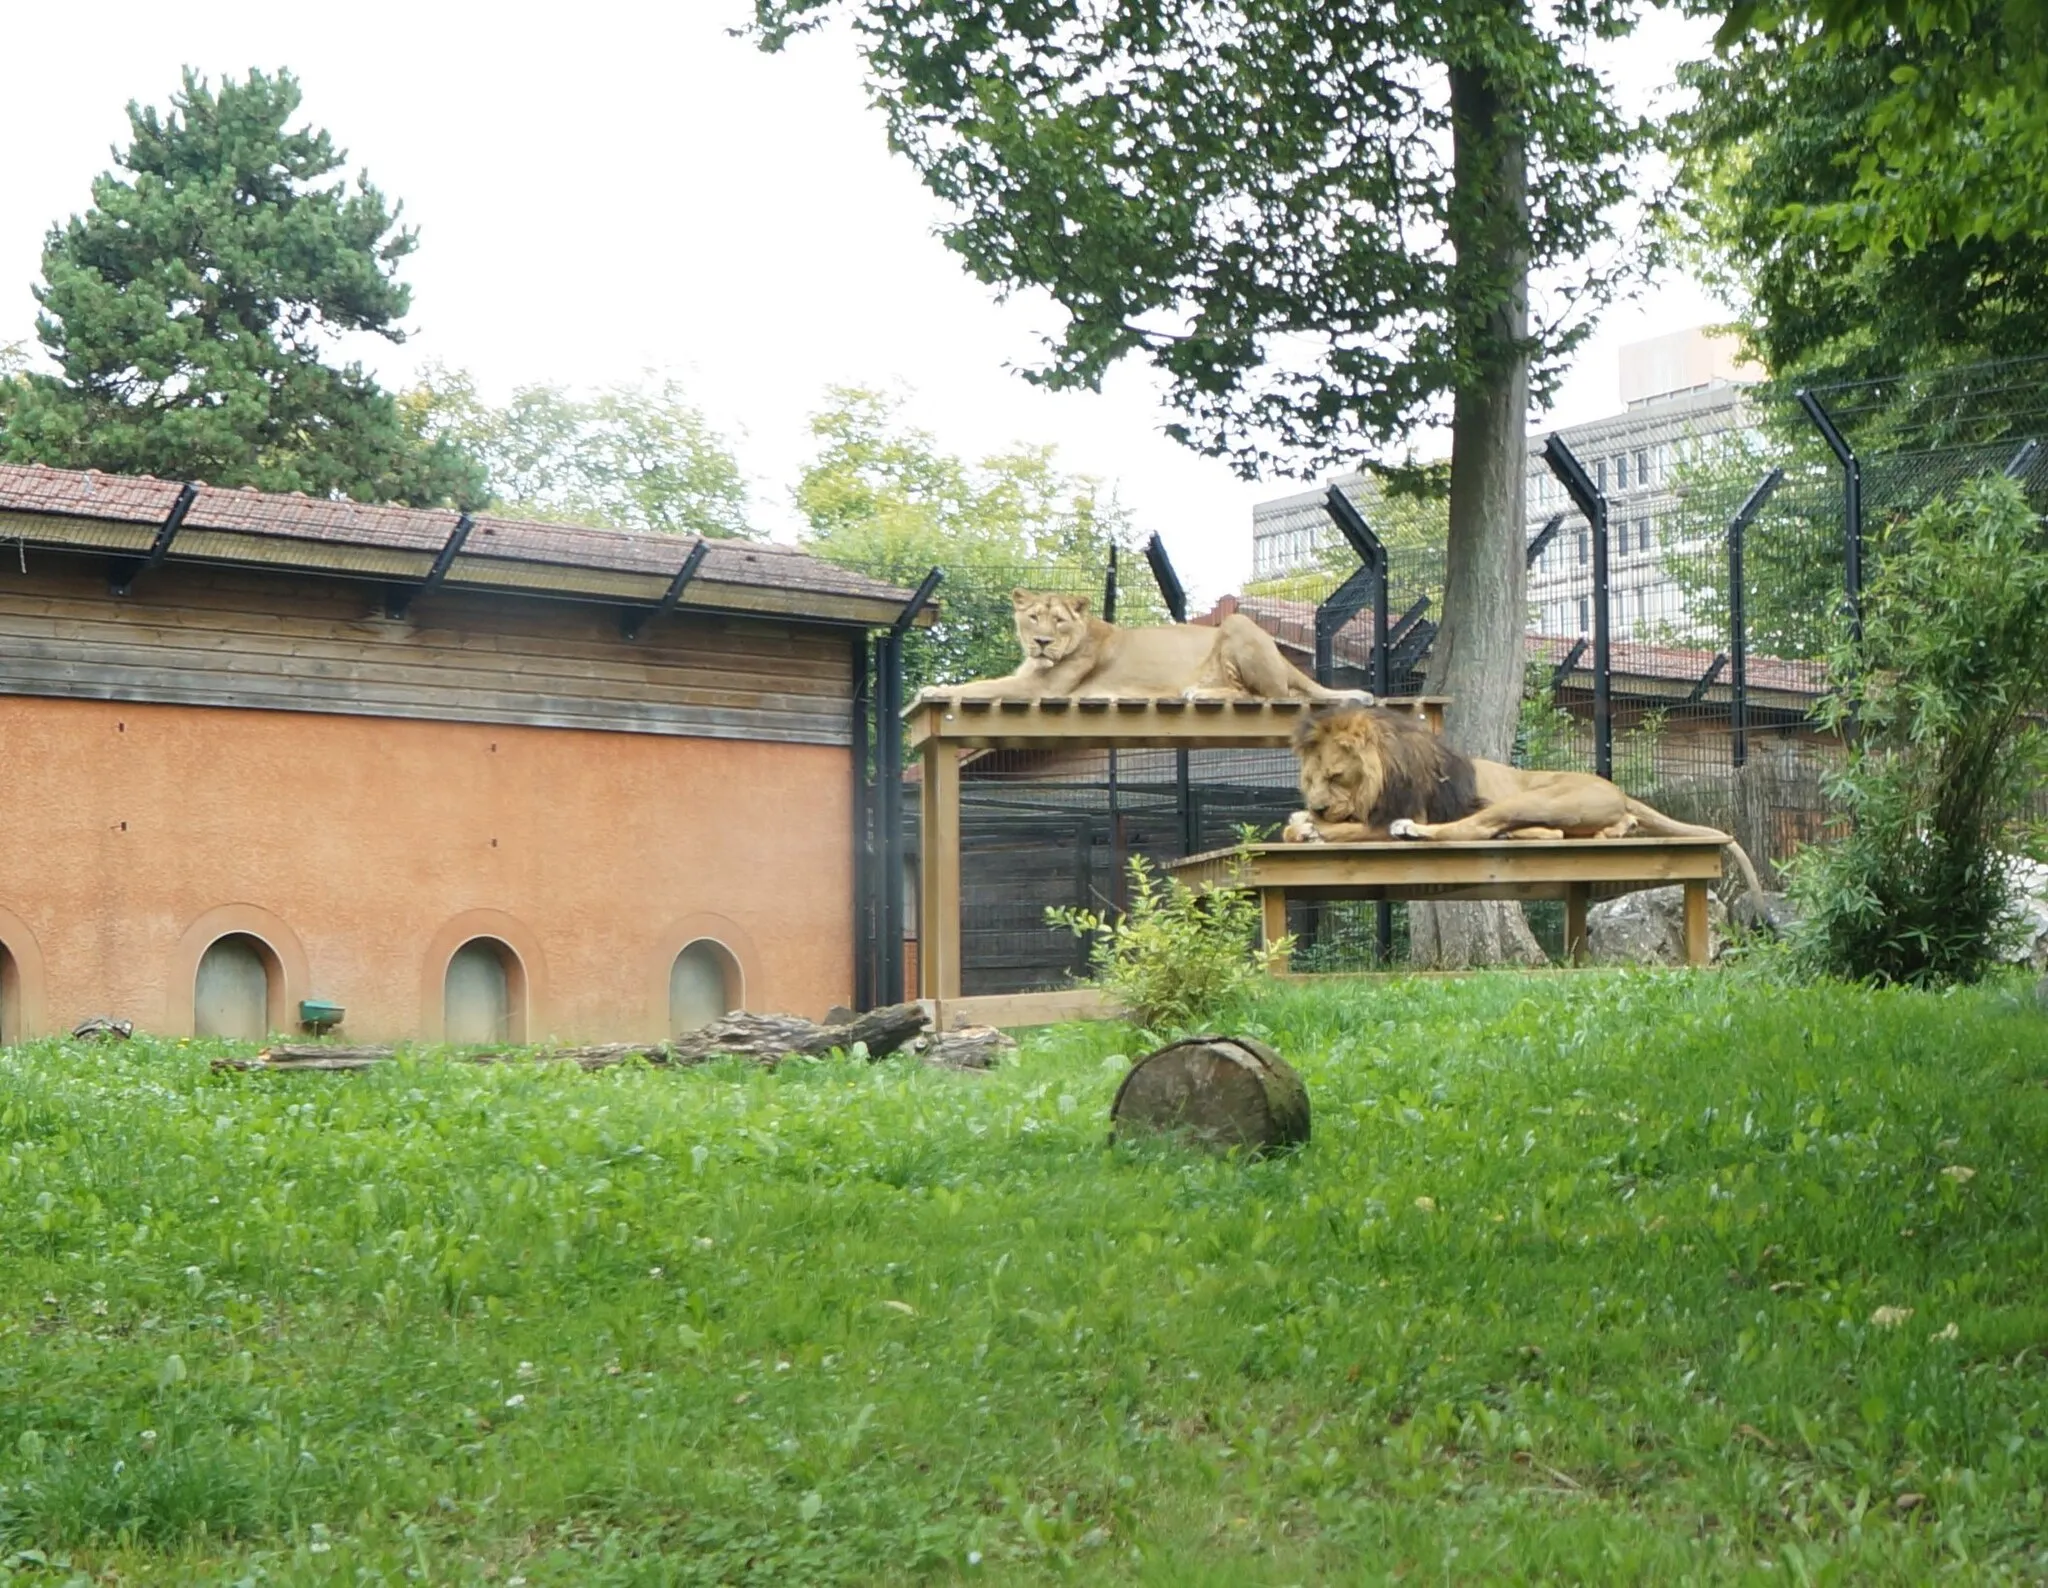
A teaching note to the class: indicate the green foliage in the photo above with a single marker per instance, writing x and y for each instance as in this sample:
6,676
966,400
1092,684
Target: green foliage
189,309
627,457
884,498
1946,690
1176,959
844,1322
1866,196
1264,202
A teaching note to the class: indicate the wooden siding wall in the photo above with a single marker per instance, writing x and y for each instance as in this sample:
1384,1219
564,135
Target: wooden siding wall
218,637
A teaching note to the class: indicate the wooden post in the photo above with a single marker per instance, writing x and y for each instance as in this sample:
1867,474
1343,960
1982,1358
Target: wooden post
1696,923
938,952
1273,920
1575,923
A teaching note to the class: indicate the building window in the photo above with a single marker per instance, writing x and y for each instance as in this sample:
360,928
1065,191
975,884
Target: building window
483,994
1600,474
1584,615
1584,554
1621,471
1642,534
1642,466
231,992
703,984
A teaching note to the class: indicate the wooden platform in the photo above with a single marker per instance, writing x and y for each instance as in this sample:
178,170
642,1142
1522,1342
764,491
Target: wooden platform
943,723
1576,870
1118,722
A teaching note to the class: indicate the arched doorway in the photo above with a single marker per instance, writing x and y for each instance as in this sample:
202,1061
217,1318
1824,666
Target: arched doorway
231,991
703,984
10,998
483,994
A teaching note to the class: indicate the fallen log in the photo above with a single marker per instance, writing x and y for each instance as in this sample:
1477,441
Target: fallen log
773,1038
308,1056
1221,1092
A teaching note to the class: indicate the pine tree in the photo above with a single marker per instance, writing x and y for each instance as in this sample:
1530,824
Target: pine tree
187,312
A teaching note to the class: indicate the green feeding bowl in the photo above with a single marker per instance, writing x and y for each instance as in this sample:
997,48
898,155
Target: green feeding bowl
317,1014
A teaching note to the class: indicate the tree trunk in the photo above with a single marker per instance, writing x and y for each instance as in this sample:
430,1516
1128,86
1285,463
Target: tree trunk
1477,659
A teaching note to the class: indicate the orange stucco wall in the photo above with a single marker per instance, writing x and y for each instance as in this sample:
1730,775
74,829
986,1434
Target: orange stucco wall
364,851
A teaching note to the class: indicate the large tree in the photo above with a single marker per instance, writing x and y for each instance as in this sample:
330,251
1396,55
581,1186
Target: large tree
1842,264
630,456
1316,218
191,310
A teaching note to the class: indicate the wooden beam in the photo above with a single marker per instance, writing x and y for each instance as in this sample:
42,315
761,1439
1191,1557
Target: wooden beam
1696,945
1120,722
1575,922
1008,1010
1272,921
938,923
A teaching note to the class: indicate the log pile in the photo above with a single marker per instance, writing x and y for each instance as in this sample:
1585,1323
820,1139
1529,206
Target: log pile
767,1039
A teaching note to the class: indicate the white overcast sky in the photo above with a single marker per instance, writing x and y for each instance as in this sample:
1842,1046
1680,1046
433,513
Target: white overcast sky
608,187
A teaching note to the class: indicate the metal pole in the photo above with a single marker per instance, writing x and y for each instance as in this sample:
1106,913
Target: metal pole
1109,587
1175,595
1738,616
889,775
864,945
1592,502
1852,508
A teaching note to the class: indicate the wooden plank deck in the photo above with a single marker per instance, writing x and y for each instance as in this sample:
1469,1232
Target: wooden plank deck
1118,722
1577,871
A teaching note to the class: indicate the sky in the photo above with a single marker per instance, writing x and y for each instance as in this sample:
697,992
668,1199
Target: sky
614,187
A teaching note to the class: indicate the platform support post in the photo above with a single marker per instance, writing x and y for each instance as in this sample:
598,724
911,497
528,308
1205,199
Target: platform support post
1696,923
938,949
1272,922
1575,923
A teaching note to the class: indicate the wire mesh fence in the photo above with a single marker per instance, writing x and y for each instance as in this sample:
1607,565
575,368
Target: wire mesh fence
1691,564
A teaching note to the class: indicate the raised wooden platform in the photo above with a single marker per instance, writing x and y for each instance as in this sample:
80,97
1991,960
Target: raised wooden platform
1118,722
943,723
1576,870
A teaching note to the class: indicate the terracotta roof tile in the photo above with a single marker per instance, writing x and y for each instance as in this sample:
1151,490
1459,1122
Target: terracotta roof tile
90,494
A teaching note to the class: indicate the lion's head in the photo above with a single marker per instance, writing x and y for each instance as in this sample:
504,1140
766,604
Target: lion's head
1368,764
1050,628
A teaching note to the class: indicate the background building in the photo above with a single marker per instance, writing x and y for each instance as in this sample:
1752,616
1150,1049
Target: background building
1681,395
257,750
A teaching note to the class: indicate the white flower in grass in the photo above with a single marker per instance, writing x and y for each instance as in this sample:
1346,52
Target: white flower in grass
1945,1332
515,1401
1960,1173
1426,1204
1890,1317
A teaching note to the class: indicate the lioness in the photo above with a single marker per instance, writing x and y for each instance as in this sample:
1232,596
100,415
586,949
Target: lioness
1069,652
1371,773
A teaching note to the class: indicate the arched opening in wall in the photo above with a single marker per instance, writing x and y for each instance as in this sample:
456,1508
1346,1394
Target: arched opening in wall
231,994
484,996
10,999
703,984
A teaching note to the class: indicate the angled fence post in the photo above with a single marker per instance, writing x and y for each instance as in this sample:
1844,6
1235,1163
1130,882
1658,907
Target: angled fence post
1738,617
1852,507
1592,502
1346,599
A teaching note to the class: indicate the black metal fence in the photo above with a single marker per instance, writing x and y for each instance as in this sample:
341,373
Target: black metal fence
1690,564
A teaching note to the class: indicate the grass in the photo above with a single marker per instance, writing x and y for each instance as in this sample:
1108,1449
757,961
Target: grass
1582,1278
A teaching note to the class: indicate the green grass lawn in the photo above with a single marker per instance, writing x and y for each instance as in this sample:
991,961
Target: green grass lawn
1588,1277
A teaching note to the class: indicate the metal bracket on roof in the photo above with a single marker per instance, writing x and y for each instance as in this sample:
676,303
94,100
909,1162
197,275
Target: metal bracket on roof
401,598
1706,679
1563,670
2022,460
1540,542
124,573
634,622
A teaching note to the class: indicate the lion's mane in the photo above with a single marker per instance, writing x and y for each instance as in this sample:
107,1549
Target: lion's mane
1390,764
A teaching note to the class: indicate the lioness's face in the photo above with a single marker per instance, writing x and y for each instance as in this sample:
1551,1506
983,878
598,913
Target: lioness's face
1050,628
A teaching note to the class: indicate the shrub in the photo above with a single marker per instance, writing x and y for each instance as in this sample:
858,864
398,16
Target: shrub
1952,664
1176,958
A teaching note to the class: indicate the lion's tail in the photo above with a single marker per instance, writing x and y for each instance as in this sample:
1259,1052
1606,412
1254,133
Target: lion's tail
1655,824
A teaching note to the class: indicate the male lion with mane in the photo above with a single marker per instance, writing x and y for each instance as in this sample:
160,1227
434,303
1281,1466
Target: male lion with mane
1069,652
1368,773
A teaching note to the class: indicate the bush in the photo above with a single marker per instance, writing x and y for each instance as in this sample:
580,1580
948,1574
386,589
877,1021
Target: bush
1177,957
1952,665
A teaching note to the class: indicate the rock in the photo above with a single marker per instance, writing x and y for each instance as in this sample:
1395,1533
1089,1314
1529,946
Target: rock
100,1029
969,1048
2031,946
2041,995
1770,913
1648,928
1221,1092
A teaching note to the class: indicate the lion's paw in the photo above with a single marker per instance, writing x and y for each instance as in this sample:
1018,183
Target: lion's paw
1402,827
1300,829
